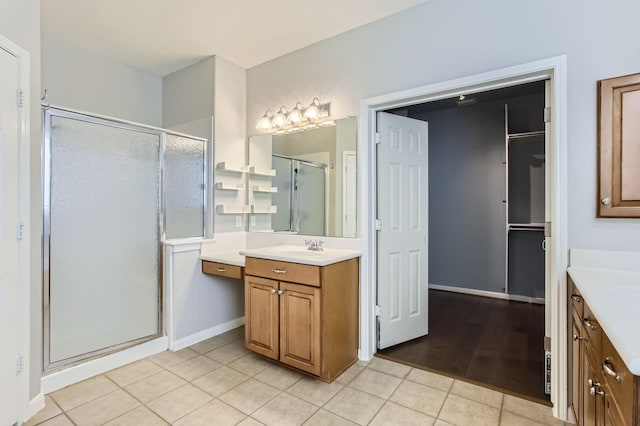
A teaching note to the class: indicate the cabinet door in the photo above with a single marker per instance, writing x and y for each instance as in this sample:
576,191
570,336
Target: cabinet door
576,355
261,316
300,327
588,401
619,143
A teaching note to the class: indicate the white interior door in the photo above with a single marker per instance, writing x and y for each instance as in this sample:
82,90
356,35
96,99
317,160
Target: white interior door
402,188
9,244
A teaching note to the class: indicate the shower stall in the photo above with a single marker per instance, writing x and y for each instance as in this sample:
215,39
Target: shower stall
113,191
301,196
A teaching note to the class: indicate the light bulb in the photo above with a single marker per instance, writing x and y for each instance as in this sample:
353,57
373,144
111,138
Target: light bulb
264,124
313,112
296,115
280,119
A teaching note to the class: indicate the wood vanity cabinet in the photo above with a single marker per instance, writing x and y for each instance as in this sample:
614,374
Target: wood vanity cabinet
603,390
303,316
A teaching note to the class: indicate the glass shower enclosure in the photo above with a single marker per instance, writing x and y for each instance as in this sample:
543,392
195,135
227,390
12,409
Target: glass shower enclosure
112,192
301,196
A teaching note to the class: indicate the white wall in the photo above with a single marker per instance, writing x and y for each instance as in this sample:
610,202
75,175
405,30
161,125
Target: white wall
20,23
81,80
440,40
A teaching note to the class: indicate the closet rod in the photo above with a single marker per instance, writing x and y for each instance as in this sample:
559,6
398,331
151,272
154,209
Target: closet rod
523,228
525,135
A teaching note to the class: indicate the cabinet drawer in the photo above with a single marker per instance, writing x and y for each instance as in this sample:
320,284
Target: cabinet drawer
283,271
621,389
221,269
592,332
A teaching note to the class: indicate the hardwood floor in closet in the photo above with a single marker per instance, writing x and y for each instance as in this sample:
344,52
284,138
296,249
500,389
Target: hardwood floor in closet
489,341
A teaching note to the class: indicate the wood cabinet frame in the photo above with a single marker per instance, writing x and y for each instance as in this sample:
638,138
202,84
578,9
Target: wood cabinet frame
619,147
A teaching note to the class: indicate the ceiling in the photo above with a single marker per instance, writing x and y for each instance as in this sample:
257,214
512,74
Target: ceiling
162,36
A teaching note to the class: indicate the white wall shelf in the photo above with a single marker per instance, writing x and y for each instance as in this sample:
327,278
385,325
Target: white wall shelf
229,187
261,188
223,167
264,209
257,172
224,209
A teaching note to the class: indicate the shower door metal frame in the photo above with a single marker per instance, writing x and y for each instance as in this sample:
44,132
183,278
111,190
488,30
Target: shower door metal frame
294,217
54,111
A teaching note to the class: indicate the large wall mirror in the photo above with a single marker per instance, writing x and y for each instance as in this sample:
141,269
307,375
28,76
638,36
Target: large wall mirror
305,182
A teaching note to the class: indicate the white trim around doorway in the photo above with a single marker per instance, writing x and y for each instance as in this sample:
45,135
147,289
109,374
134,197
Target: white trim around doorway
552,68
26,407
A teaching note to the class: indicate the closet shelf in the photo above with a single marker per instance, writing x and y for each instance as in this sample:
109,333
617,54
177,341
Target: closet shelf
525,135
260,188
224,209
229,187
527,225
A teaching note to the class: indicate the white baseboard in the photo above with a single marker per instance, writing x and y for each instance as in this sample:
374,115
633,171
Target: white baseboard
485,293
68,376
33,406
192,339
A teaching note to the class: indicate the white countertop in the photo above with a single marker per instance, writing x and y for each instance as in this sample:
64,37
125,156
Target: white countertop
613,295
228,257
300,254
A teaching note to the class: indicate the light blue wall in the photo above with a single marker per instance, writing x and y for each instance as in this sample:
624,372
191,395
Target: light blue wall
441,40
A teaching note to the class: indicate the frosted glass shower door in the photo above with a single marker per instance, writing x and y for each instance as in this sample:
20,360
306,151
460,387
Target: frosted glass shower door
311,191
184,187
102,207
282,219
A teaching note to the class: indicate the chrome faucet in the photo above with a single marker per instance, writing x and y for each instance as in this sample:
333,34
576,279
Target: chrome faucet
315,245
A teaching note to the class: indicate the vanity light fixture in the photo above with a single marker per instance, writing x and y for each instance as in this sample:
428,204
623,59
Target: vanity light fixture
296,115
264,123
280,119
298,119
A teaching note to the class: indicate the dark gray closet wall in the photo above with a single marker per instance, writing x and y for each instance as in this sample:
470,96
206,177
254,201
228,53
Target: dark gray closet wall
466,193
467,184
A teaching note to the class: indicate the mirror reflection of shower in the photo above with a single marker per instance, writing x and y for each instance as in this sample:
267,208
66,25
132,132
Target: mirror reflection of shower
301,199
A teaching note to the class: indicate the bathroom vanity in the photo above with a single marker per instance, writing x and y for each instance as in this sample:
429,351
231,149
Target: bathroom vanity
301,307
604,353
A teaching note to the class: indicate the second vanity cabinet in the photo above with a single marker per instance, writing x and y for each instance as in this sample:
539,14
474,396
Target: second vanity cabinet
604,392
301,315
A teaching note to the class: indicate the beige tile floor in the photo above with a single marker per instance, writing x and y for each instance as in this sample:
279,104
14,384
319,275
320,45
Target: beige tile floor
218,382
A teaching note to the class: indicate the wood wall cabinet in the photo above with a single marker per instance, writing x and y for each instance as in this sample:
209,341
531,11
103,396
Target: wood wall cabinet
604,392
303,316
619,147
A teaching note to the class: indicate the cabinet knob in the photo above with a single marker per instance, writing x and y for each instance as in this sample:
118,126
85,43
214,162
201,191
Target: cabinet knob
576,337
280,292
576,298
605,201
273,290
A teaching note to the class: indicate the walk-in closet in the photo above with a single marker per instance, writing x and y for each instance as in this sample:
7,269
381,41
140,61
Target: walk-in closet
486,239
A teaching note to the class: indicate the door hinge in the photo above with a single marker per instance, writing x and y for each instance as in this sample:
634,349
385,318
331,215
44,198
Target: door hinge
19,364
378,137
547,229
378,225
19,98
378,311
547,115
20,231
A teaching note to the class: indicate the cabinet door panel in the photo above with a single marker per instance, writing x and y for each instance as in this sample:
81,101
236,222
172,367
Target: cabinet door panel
261,320
300,327
619,143
576,354
588,401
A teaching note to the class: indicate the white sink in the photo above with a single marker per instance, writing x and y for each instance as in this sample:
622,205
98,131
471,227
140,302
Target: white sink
300,254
